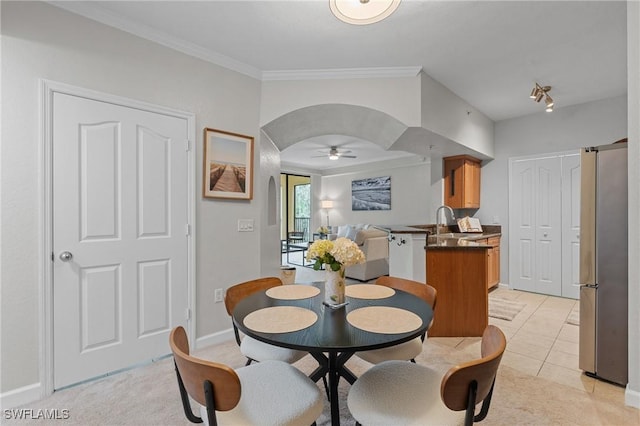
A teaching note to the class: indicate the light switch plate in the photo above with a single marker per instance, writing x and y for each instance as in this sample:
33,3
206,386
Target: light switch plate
245,225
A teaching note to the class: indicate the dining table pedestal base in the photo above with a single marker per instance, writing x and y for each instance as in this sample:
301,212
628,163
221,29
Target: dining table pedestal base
334,367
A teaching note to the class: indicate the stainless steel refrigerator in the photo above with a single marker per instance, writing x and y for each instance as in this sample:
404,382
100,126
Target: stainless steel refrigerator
603,263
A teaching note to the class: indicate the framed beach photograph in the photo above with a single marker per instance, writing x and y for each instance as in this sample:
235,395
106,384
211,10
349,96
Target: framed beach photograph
228,165
371,193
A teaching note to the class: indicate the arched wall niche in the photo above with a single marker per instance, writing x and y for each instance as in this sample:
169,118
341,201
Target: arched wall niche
272,203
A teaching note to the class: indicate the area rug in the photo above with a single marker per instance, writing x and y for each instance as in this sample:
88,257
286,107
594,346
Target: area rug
504,308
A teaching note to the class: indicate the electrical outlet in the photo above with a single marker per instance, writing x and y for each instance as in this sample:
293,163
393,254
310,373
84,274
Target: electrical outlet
217,295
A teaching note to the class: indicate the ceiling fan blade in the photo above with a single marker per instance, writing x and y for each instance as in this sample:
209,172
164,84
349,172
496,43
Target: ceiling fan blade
348,156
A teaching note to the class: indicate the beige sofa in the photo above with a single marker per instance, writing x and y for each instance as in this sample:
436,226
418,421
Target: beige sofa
375,246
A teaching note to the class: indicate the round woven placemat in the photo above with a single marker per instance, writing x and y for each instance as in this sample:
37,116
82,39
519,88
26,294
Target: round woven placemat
292,292
280,319
384,320
369,291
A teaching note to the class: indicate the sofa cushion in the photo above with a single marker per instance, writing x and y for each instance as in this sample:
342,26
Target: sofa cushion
343,230
363,234
351,233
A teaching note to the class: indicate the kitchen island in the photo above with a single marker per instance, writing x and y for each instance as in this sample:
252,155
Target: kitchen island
406,252
462,268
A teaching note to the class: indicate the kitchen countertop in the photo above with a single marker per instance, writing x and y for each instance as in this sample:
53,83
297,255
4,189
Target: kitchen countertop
403,229
465,242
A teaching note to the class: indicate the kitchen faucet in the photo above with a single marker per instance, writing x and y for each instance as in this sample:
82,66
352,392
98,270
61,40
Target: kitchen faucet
438,217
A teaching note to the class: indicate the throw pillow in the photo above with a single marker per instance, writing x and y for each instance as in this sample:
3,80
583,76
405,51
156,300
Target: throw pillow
342,230
351,233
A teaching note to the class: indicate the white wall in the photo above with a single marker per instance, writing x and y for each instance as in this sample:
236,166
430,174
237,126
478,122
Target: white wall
42,41
271,206
398,97
565,129
410,196
448,115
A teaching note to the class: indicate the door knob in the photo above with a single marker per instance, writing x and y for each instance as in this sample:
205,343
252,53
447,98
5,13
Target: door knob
66,256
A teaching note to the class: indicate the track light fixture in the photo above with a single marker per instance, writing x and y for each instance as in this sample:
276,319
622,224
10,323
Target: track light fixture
540,92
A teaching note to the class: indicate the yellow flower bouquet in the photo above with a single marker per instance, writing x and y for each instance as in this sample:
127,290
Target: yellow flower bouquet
336,255
323,230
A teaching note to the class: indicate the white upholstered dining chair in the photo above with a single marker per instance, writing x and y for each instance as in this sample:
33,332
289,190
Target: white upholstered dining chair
253,349
408,350
403,393
266,393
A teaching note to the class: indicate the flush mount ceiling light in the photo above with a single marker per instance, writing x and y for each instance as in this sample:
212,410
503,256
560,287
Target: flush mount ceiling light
540,92
362,12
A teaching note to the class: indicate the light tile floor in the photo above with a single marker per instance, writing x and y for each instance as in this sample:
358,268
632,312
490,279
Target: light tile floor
540,342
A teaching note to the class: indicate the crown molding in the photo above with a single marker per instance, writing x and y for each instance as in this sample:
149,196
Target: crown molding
97,13
341,73
94,12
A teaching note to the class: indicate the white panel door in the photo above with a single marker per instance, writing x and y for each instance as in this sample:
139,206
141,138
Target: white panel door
571,226
522,226
120,210
535,225
548,226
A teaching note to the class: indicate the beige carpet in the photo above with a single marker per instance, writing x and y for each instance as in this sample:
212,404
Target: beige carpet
504,308
149,395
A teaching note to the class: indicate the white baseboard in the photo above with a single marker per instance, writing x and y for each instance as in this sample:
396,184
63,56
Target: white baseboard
21,396
632,397
27,394
215,338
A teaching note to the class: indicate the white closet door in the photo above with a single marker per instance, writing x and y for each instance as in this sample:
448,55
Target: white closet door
548,226
535,225
571,226
522,226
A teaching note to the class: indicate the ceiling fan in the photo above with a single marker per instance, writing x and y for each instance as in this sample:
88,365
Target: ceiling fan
335,154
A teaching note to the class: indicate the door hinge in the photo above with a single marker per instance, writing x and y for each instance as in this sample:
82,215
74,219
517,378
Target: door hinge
187,146
187,229
187,314
53,257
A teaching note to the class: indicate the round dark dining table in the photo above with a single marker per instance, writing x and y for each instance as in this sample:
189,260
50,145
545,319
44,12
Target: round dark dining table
331,339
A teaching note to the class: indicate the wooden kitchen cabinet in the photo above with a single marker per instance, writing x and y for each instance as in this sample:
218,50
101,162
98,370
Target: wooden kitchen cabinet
493,260
459,275
493,269
462,182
